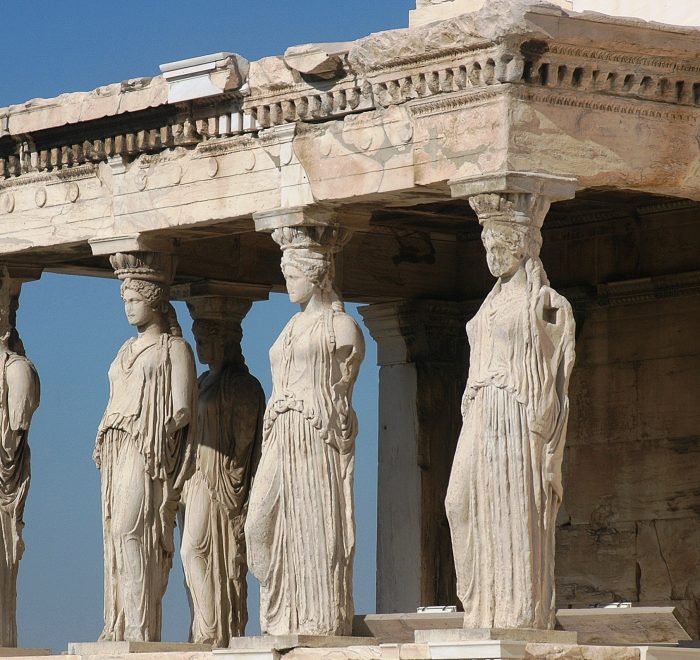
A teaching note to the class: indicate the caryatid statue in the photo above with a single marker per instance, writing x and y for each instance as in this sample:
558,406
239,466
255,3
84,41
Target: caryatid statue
506,485
300,529
229,435
19,398
144,449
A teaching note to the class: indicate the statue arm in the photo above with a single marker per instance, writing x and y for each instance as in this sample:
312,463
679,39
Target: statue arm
22,393
350,346
183,381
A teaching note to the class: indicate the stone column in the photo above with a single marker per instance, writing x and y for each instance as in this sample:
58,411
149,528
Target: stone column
505,487
300,530
145,447
422,353
229,434
20,387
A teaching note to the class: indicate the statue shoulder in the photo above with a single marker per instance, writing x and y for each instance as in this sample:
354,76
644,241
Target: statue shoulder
347,330
21,367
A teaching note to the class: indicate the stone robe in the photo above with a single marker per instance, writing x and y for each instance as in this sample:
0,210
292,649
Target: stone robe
142,467
505,487
19,398
230,410
300,530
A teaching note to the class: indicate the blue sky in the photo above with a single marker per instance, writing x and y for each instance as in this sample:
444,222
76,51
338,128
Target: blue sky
72,327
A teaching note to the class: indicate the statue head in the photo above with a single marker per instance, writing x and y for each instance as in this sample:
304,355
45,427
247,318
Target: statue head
144,302
306,273
509,246
308,260
145,288
218,342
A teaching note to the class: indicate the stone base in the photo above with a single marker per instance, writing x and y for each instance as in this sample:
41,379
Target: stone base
624,625
271,647
14,652
525,635
119,648
401,628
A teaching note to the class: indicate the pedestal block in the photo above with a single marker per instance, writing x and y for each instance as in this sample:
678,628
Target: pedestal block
272,647
15,652
122,648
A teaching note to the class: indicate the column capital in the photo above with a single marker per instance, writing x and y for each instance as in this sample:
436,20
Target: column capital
419,330
131,243
219,301
294,216
553,188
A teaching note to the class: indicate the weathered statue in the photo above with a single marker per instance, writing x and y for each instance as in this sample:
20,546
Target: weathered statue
505,487
300,529
19,398
144,451
231,404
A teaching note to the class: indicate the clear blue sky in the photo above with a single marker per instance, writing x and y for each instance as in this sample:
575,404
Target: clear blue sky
72,327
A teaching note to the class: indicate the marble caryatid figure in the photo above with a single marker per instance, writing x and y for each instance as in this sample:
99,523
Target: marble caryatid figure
19,398
300,529
144,450
505,487
229,434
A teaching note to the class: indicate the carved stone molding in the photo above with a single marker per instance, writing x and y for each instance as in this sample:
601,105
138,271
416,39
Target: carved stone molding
419,330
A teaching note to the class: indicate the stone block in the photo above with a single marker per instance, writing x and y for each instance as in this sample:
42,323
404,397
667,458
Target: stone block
15,652
646,480
453,635
302,647
624,625
401,627
596,563
84,649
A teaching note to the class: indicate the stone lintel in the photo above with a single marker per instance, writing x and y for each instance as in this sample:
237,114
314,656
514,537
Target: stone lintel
122,648
131,243
554,188
526,635
21,274
294,216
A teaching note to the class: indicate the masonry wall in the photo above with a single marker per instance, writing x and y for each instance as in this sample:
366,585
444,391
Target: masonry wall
629,529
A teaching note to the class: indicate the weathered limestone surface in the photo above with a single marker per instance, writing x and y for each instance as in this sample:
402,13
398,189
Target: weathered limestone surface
144,450
506,484
19,389
304,485
215,498
405,111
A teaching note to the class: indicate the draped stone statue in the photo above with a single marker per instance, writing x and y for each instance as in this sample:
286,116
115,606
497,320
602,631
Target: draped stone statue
505,487
144,450
19,398
300,529
229,433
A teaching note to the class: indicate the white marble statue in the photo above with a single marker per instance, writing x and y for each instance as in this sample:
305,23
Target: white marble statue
145,453
19,398
505,487
300,529
229,433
